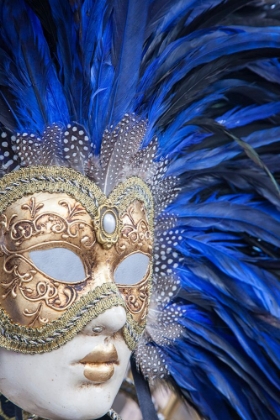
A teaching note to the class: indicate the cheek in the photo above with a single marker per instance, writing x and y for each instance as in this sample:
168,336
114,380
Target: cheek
53,385
38,374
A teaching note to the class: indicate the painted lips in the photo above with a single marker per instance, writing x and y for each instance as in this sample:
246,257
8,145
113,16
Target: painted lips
99,364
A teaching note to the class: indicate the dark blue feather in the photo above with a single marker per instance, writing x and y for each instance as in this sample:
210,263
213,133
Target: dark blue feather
268,70
98,48
26,69
129,25
182,56
68,56
238,117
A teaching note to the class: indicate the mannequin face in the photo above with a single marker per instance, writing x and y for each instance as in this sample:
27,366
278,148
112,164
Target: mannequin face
54,386
53,257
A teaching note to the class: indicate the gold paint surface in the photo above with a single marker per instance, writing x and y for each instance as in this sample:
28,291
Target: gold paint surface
43,221
102,354
40,213
137,298
98,373
99,364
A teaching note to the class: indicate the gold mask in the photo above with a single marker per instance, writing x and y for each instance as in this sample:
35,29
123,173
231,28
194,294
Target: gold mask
48,209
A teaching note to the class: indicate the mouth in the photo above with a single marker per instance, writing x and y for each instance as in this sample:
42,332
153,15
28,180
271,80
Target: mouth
99,364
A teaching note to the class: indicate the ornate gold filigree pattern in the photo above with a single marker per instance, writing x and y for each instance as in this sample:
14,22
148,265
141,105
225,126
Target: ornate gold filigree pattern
32,207
55,295
135,228
54,179
137,298
47,222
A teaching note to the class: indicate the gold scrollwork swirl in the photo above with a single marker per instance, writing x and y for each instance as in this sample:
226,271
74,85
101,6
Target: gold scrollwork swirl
55,295
52,223
136,297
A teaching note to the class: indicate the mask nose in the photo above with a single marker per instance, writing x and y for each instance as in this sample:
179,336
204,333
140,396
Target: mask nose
101,273
108,323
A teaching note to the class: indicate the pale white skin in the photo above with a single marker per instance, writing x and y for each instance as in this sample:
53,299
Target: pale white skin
52,385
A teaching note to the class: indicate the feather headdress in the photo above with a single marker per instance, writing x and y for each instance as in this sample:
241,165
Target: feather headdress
186,94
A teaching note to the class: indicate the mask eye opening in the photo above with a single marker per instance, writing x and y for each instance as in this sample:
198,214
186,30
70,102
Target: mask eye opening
59,264
133,269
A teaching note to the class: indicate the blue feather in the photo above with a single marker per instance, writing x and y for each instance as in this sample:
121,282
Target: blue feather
269,69
192,70
68,55
26,69
230,217
259,285
184,55
102,77
129,23
242,116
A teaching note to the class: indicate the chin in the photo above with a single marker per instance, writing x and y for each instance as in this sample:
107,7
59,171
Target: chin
77,410
86,402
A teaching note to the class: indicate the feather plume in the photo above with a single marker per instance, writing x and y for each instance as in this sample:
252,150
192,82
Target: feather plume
164,89
26,70
129,23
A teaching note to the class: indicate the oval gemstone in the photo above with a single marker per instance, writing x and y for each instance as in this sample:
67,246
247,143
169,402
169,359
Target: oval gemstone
109,223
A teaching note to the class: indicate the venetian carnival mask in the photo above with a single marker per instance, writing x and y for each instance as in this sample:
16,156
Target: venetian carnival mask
74,263
78,259
139,207
84,264
87,268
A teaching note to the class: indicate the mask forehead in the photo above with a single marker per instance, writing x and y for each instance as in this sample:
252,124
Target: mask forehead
53,218
49,219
